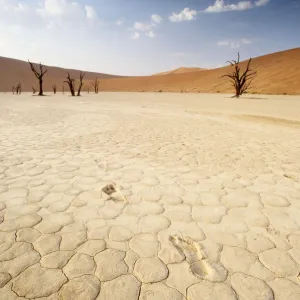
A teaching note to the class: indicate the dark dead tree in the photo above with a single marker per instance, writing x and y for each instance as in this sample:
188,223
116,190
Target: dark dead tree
240,80
39,75
54,88
13,89
33,90
88,90
71,83
19,88
80,83
95,84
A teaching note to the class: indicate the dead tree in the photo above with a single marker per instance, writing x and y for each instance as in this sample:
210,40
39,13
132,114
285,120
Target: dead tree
19,88
71,83
80,82
33,90
240,80
54,88
39,75
95,84
88,90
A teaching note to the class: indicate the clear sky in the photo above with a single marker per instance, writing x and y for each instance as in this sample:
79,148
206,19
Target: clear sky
142,37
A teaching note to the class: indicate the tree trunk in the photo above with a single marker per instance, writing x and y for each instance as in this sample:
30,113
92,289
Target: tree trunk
72,90
79,89
41,87
237,89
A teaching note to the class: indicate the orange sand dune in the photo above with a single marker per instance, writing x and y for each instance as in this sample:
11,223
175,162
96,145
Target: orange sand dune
181,70
12,71
278,73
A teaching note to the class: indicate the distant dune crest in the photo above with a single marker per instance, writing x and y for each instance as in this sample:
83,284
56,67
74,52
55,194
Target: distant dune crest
181,70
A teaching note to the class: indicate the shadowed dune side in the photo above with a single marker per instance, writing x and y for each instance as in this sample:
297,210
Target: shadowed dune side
12,71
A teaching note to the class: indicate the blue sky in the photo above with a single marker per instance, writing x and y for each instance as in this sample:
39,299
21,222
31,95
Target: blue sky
142,37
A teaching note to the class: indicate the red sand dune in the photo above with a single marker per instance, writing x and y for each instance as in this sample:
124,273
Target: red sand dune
278,73
12,71
180,70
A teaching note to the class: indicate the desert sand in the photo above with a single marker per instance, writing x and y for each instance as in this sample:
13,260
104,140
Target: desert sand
206,202
14,71
278,73
181,70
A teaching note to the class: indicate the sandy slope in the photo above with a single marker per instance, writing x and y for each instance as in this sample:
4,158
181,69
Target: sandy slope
208,199
12,71
278,73
181,70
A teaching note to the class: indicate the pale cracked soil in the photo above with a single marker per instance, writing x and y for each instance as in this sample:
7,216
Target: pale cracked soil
208,203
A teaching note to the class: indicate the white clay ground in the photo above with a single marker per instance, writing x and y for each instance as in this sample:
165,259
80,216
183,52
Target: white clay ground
207,204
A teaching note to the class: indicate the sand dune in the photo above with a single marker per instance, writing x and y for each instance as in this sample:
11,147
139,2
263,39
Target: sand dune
181,70
278,73
12,71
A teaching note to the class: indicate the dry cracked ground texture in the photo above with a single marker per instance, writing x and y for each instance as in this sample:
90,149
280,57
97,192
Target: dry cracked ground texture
212,210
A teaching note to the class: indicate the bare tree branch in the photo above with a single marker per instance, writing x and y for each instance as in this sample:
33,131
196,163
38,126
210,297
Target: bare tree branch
38,75
80,82
95,84
240,82
71,83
